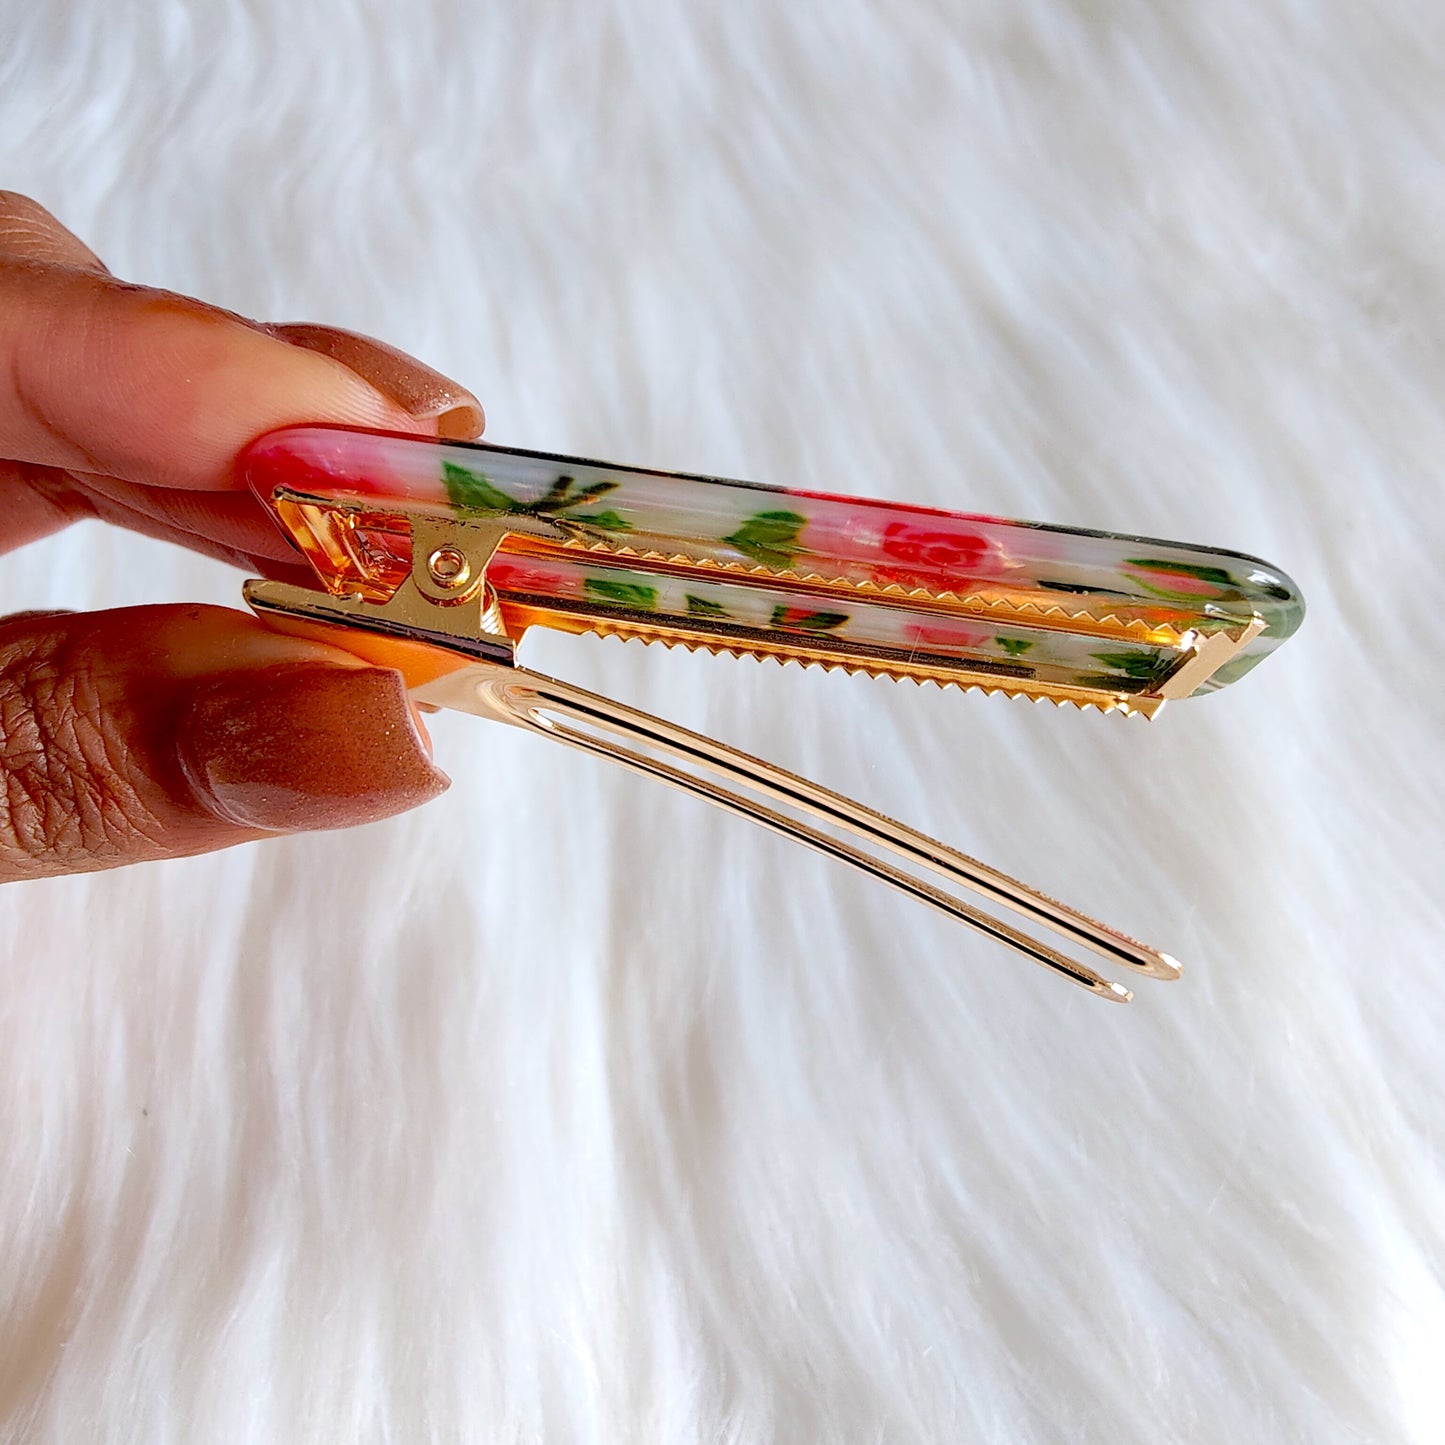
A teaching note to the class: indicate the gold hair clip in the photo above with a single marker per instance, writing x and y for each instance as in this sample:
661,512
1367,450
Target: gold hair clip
437,556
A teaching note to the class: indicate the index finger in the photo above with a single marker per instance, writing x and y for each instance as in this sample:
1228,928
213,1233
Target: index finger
151,387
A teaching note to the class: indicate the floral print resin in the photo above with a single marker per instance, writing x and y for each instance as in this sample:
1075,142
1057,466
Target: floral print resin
737,560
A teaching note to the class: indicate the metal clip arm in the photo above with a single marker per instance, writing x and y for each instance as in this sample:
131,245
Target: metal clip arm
592,723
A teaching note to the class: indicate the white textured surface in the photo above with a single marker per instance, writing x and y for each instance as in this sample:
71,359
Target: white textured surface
567,1110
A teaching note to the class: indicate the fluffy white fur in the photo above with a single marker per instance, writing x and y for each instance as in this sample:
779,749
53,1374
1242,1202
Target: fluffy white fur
567,1109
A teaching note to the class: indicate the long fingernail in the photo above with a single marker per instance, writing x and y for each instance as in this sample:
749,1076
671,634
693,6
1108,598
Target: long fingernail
416,388
306,745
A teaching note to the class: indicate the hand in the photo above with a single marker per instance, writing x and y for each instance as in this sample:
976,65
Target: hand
156,732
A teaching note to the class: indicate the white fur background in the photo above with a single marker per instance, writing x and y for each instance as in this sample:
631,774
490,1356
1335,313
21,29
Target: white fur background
568,1110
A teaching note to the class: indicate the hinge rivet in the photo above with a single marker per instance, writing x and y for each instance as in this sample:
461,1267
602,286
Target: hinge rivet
449,568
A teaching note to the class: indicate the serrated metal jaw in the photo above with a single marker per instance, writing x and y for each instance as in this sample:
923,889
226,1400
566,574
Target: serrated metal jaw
1116,655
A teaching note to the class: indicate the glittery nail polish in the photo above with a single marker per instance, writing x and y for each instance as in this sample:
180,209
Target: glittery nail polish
306,745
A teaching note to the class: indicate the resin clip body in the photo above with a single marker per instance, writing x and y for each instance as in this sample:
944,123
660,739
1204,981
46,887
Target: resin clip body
437,557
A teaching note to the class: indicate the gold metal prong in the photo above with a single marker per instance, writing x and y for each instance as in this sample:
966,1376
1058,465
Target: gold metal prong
691,762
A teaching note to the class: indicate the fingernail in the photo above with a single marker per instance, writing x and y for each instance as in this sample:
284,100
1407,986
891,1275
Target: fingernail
426,394
306,745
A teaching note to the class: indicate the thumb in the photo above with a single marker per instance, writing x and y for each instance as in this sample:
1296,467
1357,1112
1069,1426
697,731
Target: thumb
157,732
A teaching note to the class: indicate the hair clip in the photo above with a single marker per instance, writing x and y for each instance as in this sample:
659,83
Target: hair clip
437,558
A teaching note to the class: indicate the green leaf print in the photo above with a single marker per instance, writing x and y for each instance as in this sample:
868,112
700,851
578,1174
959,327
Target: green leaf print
1217,575
470,491
1142,665
627,594
702,607
556,497
769,537
1014,646
607,522
799,621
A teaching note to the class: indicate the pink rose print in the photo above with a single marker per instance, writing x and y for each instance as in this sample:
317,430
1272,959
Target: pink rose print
1178,580
926,556
951,637
351,463
511,574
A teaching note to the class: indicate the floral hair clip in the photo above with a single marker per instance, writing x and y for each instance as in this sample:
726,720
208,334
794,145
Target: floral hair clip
437,558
